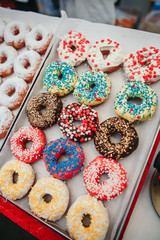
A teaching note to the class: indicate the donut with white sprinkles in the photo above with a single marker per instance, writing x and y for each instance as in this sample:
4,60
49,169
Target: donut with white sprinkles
63,170
115,183
79,112
19,139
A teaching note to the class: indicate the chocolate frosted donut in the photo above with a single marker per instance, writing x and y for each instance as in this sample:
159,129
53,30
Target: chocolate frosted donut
35,105
128,142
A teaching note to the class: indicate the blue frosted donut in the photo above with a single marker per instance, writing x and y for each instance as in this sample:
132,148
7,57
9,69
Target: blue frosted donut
59,78
65,169
132,112
92,87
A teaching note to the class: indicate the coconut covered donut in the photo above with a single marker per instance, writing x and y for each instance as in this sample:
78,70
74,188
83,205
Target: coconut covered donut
26,65
12,92
143,65
7,58
38,39
6,119
86,206
56,207
2,27
105,55
15,32
73,48
25,179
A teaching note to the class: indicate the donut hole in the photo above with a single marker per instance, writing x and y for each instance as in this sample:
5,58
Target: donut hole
92,85
15,31
28,144
15,177
115,138
62,157
134,101
47,198
60,76
3,58
42,110
26,64
77,123
105,53
72,47
10,92
39,37
103,177
86,220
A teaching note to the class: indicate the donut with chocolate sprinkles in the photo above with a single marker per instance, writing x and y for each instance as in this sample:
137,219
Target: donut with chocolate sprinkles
35,106
127,144
79,112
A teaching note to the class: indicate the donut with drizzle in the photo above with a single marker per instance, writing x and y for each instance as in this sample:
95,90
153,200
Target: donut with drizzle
65,169
143,65
88,117
112,186
105,55
134,112
73,48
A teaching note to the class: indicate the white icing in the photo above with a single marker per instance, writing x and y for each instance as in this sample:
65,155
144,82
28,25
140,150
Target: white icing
6,118
2,27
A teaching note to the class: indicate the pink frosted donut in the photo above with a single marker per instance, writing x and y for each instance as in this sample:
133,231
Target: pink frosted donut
38,39
6,118
73,48
2,27
18,140
112,186
12,92
7,57
26,65
105,55
15,32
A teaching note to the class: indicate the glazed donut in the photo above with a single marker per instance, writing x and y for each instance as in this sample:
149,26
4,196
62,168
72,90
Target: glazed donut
38,39
65,169
133,112
15,32
25,179
143,65
26,65
92,88
73,48
96,55
88,117
12,92
7,57
112,186
128,142
53,108
2,27
56,207
85,206
18,140
6,119
59,78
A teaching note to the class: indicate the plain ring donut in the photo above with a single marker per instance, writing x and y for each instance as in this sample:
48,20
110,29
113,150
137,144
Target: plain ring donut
56,207
25,179
86,206
127,144
134,112
6,119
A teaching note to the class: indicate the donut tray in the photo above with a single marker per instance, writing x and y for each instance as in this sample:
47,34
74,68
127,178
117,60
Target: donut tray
134,164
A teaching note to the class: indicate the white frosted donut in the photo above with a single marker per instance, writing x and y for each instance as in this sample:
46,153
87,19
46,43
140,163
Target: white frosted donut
38,39
25,179
26,65
73,48
56,207
86,205
6,118
12,92
2,27
105,55
143,65
7,57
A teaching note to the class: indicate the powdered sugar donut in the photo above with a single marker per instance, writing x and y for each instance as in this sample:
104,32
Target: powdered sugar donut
2,27
25,179
143,65
6,118
7,57
26,65
86,206
112,186
73,48
56,207
15,32
38,39
12,92
97,59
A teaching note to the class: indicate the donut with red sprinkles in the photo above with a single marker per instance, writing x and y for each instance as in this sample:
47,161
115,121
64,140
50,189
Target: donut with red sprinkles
19,139
63,170
115,183
79,112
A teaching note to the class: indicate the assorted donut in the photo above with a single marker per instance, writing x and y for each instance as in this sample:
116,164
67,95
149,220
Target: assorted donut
6,118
